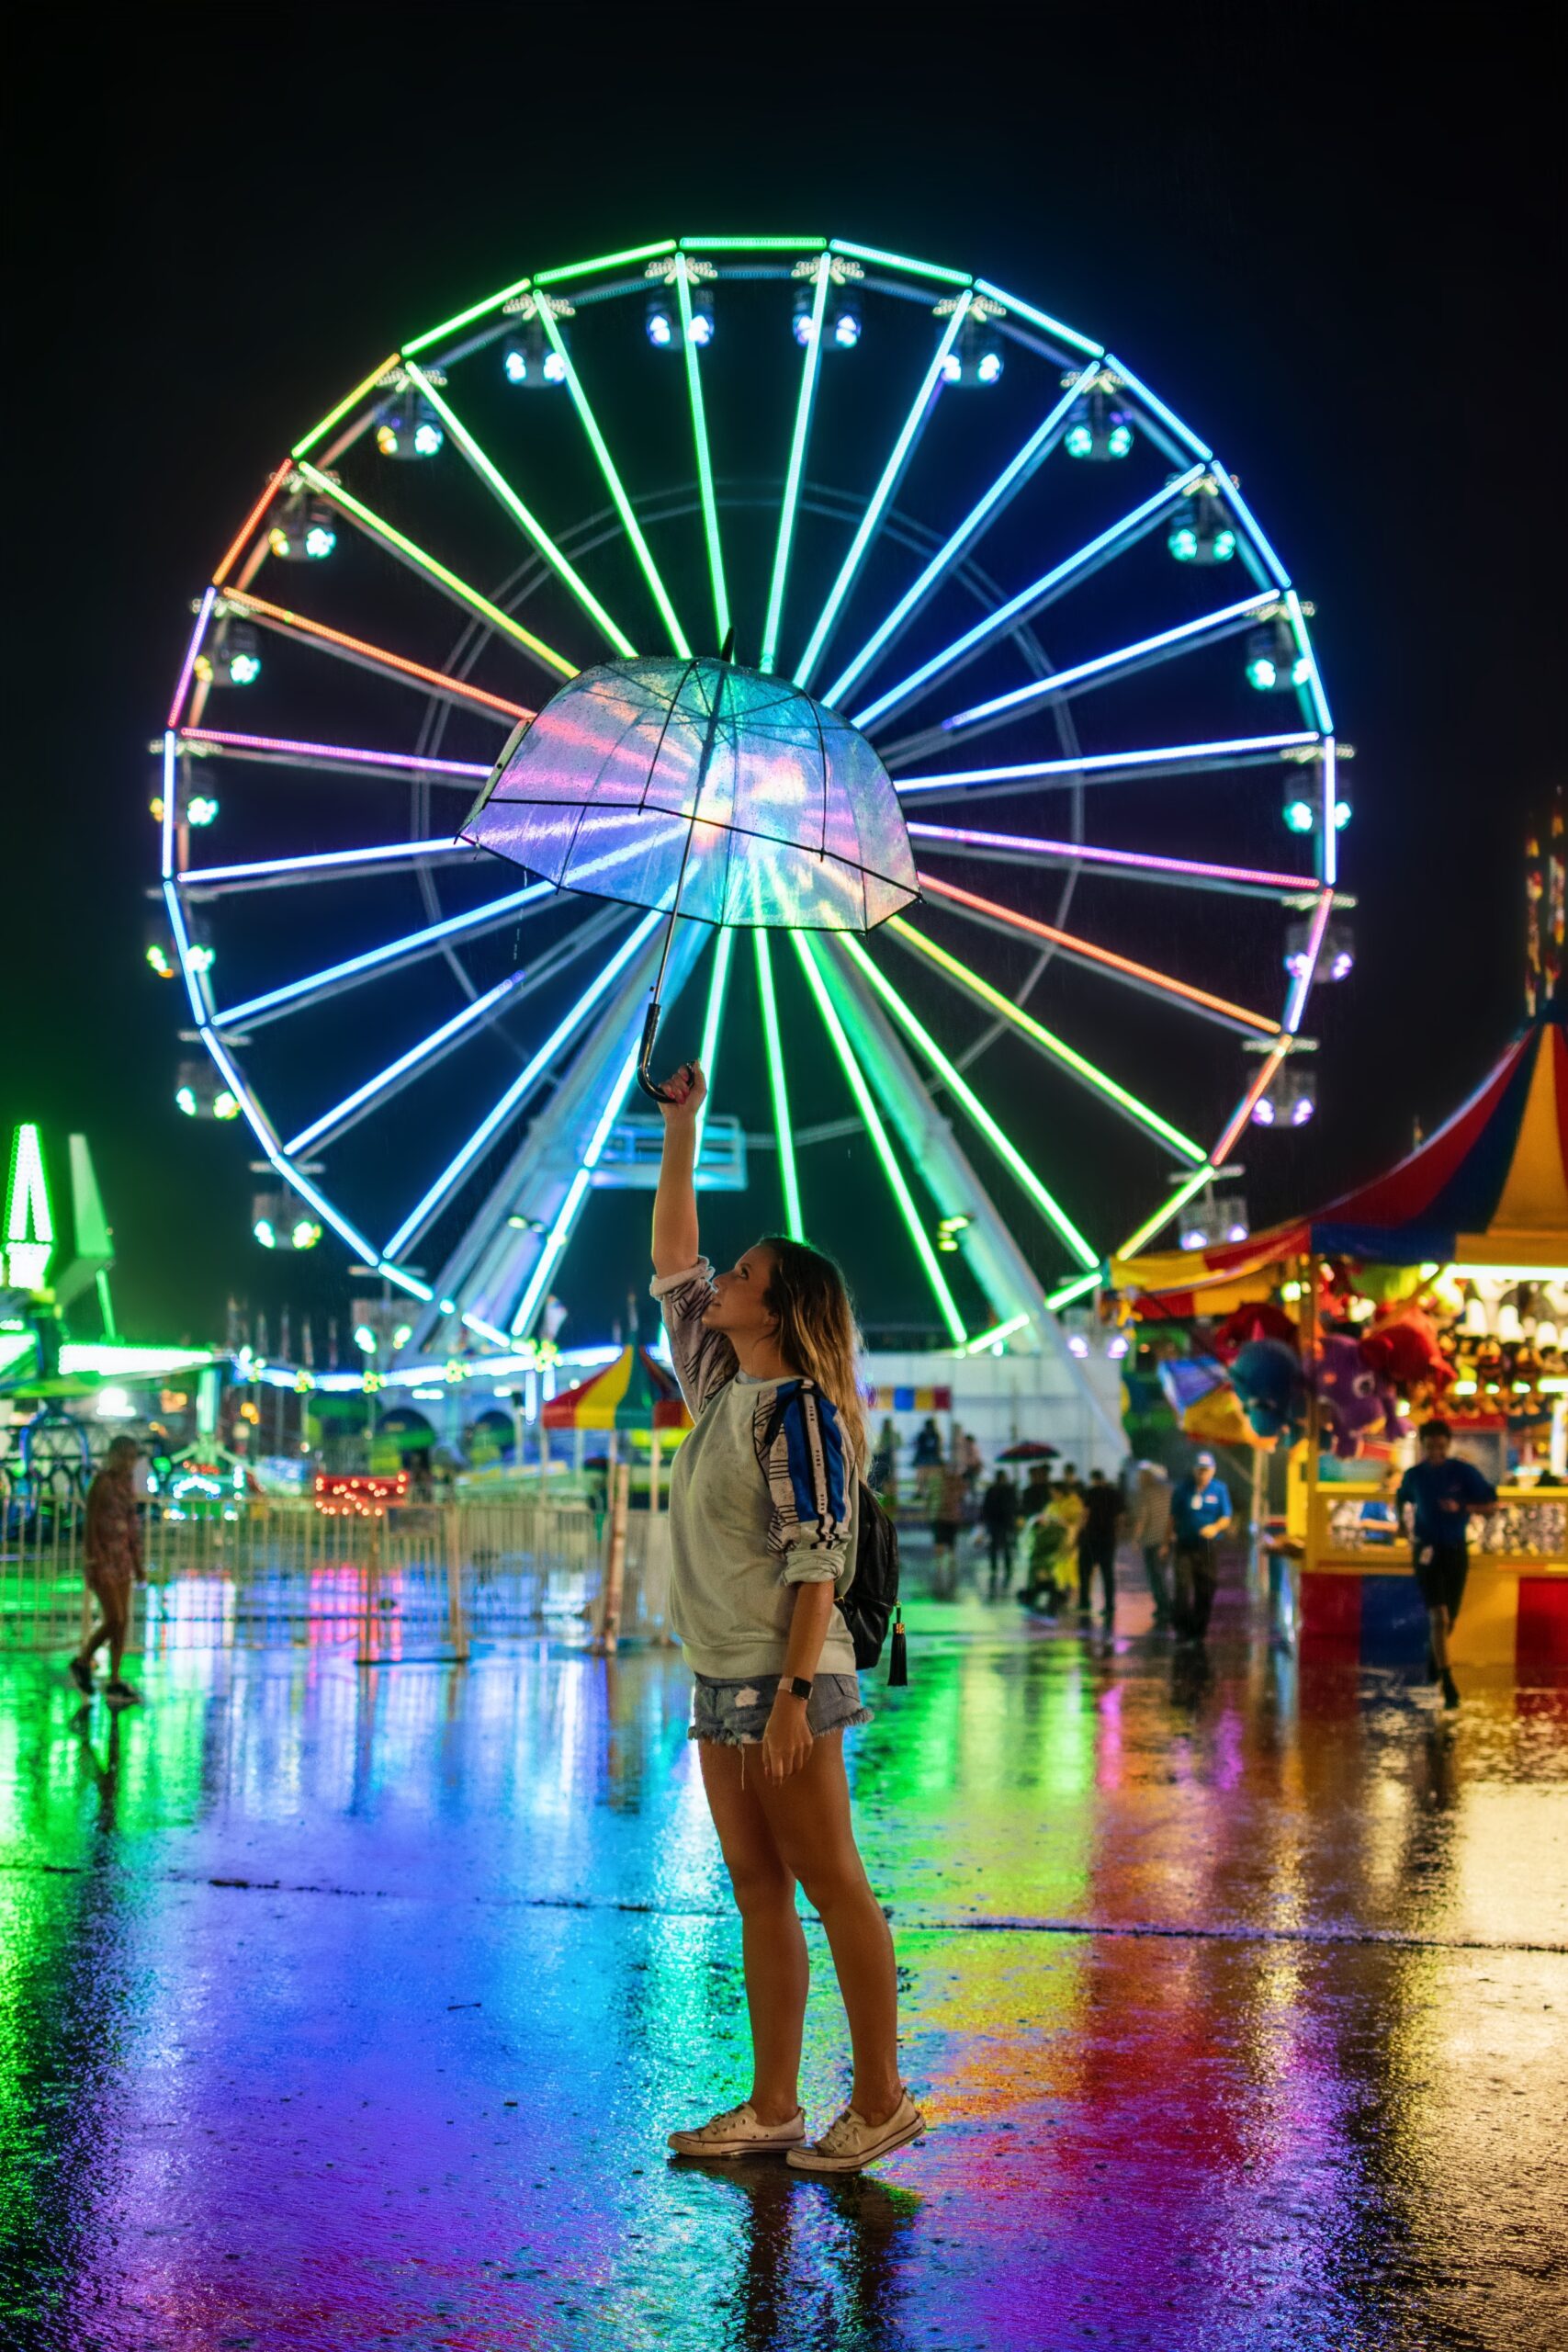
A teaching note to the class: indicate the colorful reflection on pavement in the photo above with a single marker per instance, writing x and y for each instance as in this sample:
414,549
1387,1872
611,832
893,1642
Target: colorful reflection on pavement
344,2008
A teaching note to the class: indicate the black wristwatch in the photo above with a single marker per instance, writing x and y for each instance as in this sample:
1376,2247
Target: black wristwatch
798,1685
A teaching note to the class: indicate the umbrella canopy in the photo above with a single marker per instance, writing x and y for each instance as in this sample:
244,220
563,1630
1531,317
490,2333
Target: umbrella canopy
632,1392
1027,1449
704,788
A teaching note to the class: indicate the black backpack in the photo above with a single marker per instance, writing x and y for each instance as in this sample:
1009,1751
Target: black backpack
871,1600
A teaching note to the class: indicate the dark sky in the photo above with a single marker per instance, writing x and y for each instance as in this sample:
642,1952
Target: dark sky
1348,271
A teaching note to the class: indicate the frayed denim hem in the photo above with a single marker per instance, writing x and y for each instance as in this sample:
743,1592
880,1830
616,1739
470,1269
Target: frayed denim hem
718,1738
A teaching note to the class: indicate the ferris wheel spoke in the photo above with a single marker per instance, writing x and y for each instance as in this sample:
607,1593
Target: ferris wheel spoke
613,482
805,401
983,512
321,866
426,567
1047,1041
396,666
497,483
1119,967
429,1204
570,1209
297,994
783,1129
435,1048
964,1093
1109,768
719,983
914,424
283,750
805,949
1134,866
1081,565
704,462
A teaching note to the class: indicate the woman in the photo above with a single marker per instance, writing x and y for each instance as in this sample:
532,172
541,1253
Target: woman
762,1529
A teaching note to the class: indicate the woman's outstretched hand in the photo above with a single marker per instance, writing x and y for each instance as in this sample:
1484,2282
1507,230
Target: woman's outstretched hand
685,1092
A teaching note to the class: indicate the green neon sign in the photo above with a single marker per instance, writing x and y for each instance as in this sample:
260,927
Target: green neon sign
30,1221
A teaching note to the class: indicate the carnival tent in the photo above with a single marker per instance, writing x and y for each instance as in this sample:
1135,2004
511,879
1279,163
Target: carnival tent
631,1393
1487,1193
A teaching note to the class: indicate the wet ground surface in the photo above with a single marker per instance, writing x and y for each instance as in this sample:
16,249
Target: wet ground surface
347,2008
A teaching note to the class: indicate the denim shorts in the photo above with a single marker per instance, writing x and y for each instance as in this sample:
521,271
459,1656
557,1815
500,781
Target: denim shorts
735,1714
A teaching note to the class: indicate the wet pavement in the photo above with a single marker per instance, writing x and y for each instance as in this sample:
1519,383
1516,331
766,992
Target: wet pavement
345,2008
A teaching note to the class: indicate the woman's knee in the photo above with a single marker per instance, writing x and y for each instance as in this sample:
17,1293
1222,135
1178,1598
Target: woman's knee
760,1885
829,1881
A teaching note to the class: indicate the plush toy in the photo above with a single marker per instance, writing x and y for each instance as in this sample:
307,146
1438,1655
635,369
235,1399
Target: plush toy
1267,1376
1217,1419
1403,1350
1260,1321
1357,1404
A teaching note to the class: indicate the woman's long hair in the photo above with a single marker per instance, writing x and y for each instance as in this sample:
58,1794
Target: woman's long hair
816,1330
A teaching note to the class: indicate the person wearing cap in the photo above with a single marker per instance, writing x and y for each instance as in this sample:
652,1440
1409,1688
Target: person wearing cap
1200,1514
112,1550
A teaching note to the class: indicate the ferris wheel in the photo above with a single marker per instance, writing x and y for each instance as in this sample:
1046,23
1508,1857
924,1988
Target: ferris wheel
968,528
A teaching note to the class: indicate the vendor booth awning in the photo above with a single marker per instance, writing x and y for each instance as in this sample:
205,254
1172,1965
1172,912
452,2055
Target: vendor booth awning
632,1392
1489,1189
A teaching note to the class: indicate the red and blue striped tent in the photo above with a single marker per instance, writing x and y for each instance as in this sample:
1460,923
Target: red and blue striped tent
1489,1189
632,1392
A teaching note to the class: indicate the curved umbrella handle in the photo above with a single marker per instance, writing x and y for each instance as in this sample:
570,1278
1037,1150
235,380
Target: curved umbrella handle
649,1031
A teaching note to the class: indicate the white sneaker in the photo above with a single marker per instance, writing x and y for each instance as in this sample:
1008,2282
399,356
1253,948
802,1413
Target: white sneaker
737,2132
850,2141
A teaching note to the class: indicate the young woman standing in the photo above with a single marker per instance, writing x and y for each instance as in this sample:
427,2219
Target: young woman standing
762,1524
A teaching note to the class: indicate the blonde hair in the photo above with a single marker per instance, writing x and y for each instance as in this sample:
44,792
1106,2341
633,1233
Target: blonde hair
816,1330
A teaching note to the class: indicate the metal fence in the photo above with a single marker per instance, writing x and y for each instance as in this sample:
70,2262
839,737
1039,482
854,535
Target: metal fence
423,1581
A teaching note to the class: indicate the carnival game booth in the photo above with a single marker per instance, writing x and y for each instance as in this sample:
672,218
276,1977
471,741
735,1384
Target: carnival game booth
632,1398
1441,1287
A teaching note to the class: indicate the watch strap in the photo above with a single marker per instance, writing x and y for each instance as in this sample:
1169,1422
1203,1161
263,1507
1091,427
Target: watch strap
798,1685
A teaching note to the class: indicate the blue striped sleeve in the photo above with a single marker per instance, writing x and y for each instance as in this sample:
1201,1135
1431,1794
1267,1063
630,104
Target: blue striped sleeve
809,1480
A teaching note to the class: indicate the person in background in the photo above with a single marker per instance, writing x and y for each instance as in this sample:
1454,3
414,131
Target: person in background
1036,1491
999,1510
1440,1493
948,1496
1376,1522
1199,1515
927,1459
971,1461
880,1477
1045,1587
1066,1510
1148,1524
1096,1544
112,1549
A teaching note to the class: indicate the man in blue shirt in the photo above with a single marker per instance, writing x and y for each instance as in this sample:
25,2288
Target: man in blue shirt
1439,1493
1199,1512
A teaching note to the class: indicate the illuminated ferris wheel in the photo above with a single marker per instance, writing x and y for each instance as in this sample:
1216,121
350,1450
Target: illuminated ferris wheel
968,528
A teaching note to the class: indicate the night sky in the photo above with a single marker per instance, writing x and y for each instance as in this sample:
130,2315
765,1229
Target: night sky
1347,276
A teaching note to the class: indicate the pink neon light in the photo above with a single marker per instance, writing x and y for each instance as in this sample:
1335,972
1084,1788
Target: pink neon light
936,835
1266,1070
1301,984
192,649
290,748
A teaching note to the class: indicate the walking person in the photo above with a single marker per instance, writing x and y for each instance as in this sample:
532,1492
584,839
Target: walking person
762,1537
1200,1514
999,1512
949,1501
112,1563
1096,1544
1440,1493
1149,1525
927,1458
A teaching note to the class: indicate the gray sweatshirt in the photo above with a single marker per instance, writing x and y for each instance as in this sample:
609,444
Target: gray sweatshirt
761,1499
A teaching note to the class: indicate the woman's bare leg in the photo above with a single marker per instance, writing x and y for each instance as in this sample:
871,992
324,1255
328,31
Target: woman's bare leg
772,1941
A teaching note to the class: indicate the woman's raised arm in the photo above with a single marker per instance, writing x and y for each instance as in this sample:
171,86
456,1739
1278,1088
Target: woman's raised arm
675,1201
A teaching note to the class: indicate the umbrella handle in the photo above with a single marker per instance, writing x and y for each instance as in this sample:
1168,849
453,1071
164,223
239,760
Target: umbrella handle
649,1086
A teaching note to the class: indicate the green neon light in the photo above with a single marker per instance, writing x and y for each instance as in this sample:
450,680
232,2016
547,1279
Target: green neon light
1162,1216
605,260
705,467
752,244
964,1092
393,537
806,952
336,415
30,1220
781,1126
902,261
523,515
105,1305
1069,1291
978,1346
808,374
891,472
709,1048
1063,1053
613,481
466,318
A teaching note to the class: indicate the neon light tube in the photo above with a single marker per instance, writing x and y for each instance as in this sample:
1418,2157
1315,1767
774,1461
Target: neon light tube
605,260
1162,1216
978,1346
1039,319
413,943
805,949
1030,599
752,244
718,984
336,755
1010,479
240,537
810,368
1250,525
197,993
523,515
1072,945
1098,763
321,865
924,400
1242,1111
964,1092
417,558
375,657
1228,617
900,261
1141,864
1301,982
1183,1146
367,384
1304,646
464,319
339,1112
705,466
1329,845
203,615
1157,407
1069,1291
486,1330
278,1160
612,481
577,1192
779,1090
522,1085
167,828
